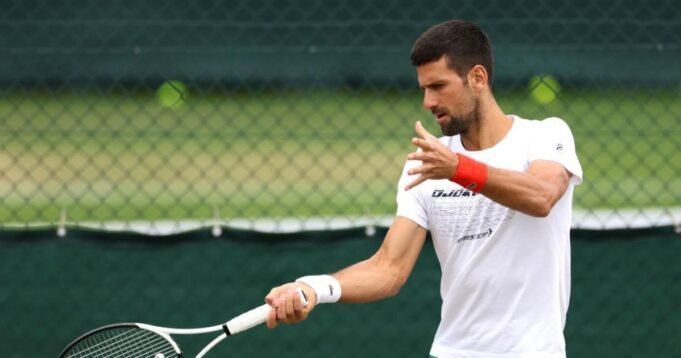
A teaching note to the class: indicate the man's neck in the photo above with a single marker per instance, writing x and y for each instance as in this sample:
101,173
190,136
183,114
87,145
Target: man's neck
494,125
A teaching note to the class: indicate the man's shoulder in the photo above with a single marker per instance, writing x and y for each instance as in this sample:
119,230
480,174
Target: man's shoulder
545,125
538,121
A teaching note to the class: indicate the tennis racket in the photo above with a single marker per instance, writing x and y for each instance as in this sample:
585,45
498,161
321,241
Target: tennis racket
144,340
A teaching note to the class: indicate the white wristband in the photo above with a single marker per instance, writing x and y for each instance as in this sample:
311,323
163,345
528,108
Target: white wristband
326,287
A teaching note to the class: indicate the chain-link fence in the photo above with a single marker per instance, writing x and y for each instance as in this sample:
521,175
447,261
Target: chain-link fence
299,114
624,304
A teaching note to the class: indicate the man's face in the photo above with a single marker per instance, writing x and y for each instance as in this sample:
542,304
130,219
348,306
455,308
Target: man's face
448,96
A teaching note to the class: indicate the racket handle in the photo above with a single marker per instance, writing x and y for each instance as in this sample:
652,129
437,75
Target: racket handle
254,317
248,319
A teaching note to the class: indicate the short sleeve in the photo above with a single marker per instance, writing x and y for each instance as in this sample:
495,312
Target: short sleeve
554,142
410,204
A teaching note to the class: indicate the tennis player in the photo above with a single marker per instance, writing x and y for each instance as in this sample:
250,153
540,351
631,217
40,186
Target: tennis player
496,195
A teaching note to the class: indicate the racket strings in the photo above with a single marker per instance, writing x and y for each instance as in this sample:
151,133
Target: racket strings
103,343
129,343
136,345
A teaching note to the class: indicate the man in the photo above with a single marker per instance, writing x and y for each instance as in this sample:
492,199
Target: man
496,195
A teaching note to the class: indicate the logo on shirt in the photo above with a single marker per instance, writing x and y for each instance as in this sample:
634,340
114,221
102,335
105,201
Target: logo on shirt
439,193
559,147
481,235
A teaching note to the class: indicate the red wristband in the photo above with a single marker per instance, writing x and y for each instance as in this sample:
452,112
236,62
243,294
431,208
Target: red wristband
470,174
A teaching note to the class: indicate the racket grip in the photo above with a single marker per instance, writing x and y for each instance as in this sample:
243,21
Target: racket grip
254,317
248,319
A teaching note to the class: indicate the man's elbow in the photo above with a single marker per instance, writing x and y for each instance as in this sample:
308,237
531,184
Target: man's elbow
541,207
395,285
397,278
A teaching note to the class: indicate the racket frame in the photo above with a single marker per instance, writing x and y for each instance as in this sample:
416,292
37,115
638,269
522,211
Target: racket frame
242,322
84,336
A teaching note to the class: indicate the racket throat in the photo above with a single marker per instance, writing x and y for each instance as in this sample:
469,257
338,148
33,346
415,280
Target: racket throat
226,330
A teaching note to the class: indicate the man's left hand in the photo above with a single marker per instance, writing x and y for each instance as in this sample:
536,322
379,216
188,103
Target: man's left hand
437,161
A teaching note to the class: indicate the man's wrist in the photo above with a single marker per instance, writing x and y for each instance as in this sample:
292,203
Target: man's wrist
470,173
326,287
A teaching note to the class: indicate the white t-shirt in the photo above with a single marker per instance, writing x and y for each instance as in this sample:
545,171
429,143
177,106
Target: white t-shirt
505,275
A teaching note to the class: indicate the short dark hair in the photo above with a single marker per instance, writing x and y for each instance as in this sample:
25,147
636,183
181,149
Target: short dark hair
464,44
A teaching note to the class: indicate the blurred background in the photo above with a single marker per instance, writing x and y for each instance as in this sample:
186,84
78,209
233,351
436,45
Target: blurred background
170,161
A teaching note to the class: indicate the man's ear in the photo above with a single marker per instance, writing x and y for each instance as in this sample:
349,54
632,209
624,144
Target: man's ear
477,77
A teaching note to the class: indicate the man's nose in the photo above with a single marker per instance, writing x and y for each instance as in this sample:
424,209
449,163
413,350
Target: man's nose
429,101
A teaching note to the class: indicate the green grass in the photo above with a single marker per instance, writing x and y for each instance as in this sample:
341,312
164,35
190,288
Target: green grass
296,153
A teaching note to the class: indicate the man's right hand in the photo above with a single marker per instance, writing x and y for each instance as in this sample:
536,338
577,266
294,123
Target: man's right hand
287,305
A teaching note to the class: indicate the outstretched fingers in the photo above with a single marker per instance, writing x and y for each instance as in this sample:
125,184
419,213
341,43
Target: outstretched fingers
423,132
437,160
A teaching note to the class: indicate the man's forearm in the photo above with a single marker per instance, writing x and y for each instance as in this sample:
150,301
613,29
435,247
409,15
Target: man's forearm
530,193
369,280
